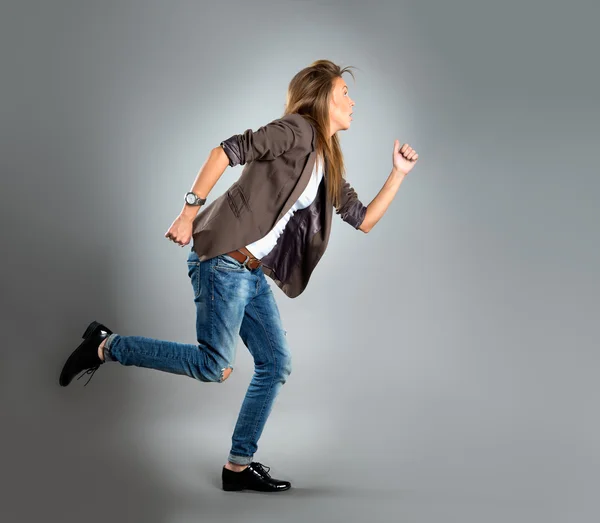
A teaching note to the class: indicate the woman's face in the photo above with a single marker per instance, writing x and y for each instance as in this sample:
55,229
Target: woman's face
340,106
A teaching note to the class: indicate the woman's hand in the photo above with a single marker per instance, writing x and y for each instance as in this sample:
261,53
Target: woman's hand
180,231
404,158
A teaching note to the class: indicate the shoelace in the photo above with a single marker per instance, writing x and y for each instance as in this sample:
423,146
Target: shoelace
261,468
90,371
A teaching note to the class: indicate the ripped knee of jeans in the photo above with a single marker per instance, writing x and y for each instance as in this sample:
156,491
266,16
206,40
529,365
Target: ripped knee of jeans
225,372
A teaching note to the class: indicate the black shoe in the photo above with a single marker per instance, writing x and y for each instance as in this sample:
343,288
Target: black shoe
85,357
253,477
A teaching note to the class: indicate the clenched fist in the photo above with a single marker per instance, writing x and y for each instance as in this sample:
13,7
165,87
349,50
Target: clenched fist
180,231
404,158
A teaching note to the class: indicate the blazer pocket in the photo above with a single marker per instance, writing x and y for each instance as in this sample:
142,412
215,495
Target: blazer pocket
237,200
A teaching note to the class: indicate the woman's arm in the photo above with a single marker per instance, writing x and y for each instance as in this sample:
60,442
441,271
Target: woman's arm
206,179
404,158
180,231
376,209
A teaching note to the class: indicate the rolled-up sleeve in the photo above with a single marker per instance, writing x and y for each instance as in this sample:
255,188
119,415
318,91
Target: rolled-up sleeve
267,142
351,209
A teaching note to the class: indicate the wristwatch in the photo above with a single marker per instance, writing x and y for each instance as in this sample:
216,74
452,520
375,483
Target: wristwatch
194,199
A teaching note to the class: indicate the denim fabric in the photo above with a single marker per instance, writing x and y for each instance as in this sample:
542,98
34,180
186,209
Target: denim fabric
230,300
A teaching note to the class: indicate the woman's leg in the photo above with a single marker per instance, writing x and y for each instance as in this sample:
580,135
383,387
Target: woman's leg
221,293
262,332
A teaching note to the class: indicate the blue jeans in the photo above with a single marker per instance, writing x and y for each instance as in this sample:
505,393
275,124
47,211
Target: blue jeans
230,300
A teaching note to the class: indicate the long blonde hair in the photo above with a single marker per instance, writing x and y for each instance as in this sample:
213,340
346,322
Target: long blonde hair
309,94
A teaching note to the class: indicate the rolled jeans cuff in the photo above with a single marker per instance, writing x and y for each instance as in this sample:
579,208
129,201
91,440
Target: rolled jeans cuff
240,460
107,352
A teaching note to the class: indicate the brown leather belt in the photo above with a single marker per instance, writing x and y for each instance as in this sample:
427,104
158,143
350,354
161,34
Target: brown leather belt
244,254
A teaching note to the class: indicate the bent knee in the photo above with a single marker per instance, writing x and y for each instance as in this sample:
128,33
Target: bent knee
286,368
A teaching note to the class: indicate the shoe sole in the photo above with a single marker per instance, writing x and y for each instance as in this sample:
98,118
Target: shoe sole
233,487
230,487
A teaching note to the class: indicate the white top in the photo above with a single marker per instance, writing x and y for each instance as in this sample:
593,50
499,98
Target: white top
264,245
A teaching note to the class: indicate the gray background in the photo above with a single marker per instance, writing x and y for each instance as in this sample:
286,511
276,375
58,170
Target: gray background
445,365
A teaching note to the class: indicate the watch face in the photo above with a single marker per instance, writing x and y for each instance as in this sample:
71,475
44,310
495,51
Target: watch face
190,198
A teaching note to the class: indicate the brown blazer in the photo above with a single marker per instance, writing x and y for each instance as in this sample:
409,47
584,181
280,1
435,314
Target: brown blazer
278,160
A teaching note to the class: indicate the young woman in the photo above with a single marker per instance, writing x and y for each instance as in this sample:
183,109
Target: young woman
274,221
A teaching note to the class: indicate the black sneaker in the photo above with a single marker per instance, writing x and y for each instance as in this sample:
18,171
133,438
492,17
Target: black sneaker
253,477
85,357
